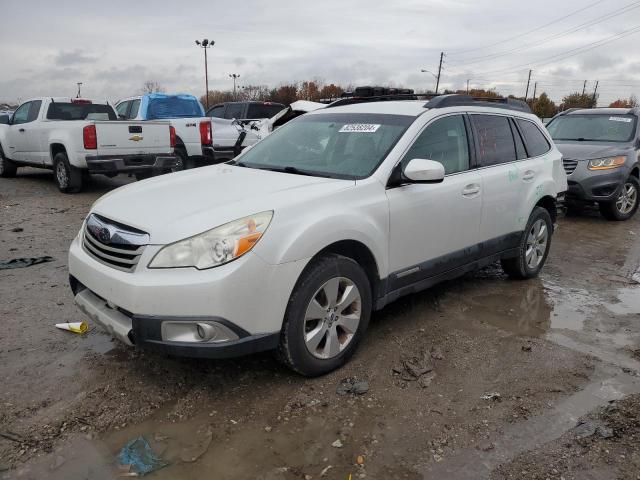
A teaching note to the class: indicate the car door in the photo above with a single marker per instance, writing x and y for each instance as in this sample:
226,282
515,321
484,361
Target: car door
434,227
35,151
499,168
18,132
538,151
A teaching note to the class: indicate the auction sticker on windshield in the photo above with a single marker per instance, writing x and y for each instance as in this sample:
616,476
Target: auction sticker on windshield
620,119
359,128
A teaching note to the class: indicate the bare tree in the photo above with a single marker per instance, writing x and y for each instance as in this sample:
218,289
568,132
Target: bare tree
151,86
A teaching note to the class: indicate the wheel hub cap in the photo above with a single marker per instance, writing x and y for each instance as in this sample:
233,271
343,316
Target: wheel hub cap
332,317
537,239
627,200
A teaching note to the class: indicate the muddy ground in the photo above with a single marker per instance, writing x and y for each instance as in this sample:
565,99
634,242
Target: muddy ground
510,370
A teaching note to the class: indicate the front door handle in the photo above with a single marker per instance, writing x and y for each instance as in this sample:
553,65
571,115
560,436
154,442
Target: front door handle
21,130
471,190
529,175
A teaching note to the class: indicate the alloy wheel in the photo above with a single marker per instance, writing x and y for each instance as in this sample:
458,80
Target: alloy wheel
61,175
627,200
537,239
332,317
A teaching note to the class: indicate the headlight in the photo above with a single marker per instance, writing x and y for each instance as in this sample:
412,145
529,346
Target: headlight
214,247
607,163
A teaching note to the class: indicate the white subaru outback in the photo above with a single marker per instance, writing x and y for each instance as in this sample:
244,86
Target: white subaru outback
293,244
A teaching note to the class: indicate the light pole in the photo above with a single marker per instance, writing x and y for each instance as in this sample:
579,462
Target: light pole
424,70
79,85
235,76
206,44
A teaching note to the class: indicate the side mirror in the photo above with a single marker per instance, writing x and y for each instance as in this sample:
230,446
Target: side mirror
420,170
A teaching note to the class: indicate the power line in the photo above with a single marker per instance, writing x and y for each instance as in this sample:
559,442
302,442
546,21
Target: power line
615,13
531,31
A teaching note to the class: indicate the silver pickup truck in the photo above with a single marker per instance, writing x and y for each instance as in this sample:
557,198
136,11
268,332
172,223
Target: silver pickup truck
76,137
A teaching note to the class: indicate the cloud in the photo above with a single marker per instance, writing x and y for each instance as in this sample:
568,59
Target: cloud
74,57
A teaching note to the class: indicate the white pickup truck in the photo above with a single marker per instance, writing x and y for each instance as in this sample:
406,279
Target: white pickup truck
75,137
200,140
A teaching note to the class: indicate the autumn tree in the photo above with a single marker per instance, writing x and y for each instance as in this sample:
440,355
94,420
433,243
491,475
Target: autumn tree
578,100
630,102
331,91
544,107
309,90
286,94
217,96
254,93
151,86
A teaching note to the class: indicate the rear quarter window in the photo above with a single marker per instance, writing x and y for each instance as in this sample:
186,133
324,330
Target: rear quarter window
536,143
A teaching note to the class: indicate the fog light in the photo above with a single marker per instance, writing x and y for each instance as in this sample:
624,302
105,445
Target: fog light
208,331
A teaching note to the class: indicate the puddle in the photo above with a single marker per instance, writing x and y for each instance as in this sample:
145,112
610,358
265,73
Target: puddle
628,302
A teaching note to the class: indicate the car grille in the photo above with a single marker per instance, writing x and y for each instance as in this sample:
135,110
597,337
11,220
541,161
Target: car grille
569,165
122,249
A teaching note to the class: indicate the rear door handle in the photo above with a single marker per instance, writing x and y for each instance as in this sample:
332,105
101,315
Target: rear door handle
471,190
21,130
529,175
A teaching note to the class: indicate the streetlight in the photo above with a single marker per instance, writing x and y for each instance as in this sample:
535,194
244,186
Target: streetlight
424,70
235,76
206,44
79,85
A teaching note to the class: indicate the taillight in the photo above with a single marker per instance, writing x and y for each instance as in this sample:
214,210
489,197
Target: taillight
205,133
90,137
172,136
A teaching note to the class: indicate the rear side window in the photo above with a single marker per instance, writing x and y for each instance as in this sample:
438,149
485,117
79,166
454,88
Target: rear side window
535,140
444,141
495,141
80,111
234,110
264,110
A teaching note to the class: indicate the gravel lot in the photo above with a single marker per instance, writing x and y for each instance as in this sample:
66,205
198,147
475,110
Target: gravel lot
481,377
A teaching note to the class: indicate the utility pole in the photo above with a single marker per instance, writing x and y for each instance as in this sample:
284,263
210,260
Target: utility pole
439,72
205,44
234,76
535,89
528,82
584,87
79,85
468,86
595,91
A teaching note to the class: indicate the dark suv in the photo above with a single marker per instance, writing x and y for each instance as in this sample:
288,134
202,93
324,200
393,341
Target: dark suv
600,149
245,110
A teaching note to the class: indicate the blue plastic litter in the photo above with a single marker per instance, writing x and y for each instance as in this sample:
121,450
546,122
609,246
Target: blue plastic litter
140,456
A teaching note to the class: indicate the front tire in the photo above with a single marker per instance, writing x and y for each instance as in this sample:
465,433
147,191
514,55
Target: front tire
8,168
327,316
533,248
68,178
626,205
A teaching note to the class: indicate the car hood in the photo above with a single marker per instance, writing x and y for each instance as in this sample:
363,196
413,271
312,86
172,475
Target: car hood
176,206
589,150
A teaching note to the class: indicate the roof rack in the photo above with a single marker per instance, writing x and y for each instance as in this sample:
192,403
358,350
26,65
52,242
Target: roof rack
457,100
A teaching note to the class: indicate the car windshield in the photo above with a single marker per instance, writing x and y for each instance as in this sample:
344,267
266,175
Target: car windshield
173,106
593,127
337,145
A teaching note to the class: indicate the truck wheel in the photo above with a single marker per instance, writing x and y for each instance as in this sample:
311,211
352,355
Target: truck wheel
68,178
184,162
533,248
626,205
327,316
8,168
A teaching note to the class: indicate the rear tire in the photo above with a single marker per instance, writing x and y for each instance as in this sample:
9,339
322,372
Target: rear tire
327,316
185,162
8,168
533,248
68,178
143,175
625,205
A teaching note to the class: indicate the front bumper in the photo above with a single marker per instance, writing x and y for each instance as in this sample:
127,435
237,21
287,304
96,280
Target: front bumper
594,186
248,296
130,163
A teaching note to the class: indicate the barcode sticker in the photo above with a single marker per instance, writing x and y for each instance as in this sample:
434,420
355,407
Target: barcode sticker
359,128
620,119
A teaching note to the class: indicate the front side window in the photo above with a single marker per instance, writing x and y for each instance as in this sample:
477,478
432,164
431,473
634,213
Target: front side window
135,106
234,110
21,115
34,110
495,141
121,108
444,141
537,143
337,145
593,128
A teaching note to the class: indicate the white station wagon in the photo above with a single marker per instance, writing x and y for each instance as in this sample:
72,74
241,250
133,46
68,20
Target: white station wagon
292,245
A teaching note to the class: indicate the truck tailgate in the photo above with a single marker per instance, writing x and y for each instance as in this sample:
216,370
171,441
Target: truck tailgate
131,137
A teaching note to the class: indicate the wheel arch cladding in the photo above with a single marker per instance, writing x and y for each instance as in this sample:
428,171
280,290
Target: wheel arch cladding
362,255
57,148
549,204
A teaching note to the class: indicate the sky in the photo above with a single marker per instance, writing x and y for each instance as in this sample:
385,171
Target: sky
114,46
